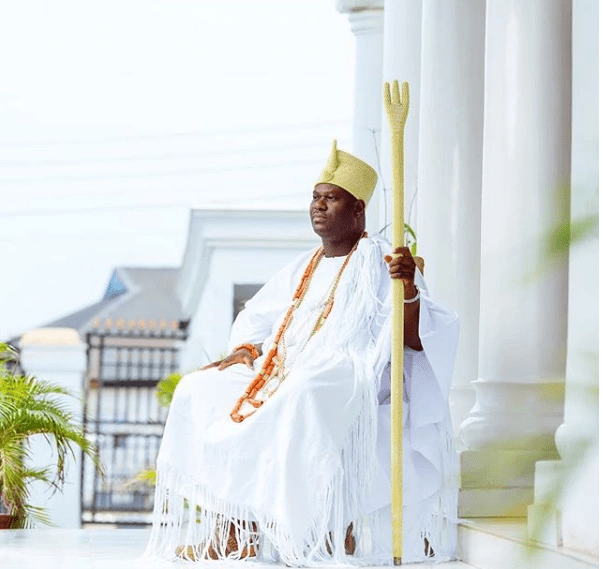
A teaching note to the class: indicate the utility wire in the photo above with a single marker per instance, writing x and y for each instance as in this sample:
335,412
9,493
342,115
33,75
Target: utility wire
171,135
166,173
109,236
139,207
101,209
164,156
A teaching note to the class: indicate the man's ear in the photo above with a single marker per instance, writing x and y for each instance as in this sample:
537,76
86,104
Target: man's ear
359,208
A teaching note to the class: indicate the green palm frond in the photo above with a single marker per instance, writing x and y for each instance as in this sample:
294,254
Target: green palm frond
30,406
146,477
166,387
35,513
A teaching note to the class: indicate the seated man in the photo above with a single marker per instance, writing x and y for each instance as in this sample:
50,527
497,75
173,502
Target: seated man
281,450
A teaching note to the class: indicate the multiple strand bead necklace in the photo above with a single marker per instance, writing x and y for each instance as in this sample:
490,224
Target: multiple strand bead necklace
274,367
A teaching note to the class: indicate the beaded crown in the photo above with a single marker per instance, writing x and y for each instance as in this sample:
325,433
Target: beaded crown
350,173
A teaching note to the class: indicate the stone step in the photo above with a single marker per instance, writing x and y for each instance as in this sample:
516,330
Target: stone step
502,543
498,483
500,468
494,502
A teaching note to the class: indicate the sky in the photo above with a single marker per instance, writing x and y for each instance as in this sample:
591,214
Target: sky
119,116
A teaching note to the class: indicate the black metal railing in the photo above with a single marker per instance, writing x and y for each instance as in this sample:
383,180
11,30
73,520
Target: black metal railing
124,419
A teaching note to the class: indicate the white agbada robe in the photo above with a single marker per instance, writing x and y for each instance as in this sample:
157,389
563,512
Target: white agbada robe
316,455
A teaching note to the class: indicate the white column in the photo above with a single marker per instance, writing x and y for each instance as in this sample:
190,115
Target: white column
576,524
523,296
401,61
366,20
450,172
59,356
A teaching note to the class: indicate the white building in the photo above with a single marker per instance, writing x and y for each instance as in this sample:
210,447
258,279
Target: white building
227,251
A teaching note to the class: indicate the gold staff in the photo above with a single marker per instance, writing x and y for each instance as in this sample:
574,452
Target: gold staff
396,107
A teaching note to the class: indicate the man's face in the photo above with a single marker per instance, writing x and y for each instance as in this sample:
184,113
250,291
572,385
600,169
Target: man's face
335,213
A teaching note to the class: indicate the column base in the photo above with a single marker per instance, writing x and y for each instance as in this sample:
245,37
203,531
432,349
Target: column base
494,502
497,482
544,519
565,508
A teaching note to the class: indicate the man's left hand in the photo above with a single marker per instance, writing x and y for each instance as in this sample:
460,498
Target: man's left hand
403,266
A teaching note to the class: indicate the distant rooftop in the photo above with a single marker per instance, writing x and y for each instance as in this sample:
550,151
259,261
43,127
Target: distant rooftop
134,297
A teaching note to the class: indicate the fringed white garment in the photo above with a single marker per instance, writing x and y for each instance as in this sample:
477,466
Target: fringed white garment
315,457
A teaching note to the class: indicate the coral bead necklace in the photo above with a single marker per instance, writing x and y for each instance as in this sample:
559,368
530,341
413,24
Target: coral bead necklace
273,372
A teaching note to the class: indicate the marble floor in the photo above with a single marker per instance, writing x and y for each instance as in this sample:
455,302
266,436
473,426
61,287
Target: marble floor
96,549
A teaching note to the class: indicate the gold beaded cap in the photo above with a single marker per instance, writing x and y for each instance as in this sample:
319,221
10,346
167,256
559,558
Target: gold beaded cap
350,173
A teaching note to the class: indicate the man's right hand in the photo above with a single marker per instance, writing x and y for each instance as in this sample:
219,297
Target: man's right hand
241,356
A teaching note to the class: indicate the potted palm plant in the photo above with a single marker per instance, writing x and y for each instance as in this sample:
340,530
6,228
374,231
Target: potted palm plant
30,406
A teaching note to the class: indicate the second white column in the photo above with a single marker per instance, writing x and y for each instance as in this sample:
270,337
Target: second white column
523,297
450,172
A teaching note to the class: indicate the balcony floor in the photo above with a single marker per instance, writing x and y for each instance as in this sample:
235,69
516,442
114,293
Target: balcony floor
95,549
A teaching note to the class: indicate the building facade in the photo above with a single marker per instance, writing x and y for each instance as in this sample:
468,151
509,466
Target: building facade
502,171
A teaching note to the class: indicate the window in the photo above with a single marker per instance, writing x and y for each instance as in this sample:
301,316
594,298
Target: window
242,293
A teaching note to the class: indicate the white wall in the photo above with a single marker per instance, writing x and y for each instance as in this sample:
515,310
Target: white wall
228,267
59,356
228,247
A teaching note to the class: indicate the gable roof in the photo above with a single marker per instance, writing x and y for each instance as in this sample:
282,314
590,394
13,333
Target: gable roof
79,318
133,294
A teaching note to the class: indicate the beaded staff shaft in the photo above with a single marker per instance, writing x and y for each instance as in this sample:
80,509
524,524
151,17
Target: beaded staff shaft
396,107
